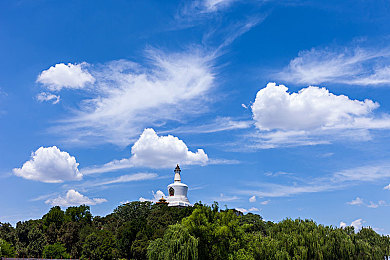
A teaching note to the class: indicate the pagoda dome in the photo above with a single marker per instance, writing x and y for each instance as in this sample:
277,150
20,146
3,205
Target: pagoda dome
177,191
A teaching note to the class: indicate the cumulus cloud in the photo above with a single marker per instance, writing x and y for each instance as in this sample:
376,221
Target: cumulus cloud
243,210
311,116
357,201
51,165
153,151
45,96
156,196
343,224
128,97
72,76
252,199
357,224
74,198
387,187
352,66
164,151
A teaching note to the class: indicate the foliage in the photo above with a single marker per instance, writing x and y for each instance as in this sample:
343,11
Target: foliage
141,230
6,249
57,251
99,245
177,243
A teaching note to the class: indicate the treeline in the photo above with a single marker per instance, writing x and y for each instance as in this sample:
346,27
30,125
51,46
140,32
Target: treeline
142,230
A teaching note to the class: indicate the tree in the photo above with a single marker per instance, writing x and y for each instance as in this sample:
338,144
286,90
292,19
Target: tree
99,245
36,242
55,251
80,214
177,244
6,249
7,232
125,236
56,216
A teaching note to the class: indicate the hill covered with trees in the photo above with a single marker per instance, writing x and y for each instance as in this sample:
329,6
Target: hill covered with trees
142,230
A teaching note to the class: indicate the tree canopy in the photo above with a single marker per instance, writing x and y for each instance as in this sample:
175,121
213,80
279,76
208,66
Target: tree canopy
142,230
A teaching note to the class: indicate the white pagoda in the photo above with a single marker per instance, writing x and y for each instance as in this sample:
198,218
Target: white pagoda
177,192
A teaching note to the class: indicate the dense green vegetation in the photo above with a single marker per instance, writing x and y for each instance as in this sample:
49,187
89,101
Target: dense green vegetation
142,230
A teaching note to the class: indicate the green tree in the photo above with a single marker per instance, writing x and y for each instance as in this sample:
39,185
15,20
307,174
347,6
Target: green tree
125,236
177,244
6,249
99,245
7,232
55,216
36,242
55,251
80,214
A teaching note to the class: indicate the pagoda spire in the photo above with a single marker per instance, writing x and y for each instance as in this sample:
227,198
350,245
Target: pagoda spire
177,174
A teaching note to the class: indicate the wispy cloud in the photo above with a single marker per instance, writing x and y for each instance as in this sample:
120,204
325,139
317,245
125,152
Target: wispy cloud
223,198
350,65
121,179
335,181
45,96
128,97
218,125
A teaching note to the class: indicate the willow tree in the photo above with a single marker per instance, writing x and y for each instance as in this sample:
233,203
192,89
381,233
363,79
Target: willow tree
177,244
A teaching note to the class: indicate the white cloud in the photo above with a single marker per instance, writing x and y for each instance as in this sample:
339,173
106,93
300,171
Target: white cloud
372,205
387,187
265,202
310,108
214,5
154,151
357,201
59,76
164,151
220,124
128,97
279,190
243,210
252,199
311,116
121,179
45,96
74,198
335,181
364,173
223,198
156,196
49,164
353,66
357,224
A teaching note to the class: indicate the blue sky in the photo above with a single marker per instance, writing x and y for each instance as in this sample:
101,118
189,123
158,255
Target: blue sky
280,108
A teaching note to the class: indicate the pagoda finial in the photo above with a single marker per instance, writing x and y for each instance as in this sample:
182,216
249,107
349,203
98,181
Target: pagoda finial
177,174
177,169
